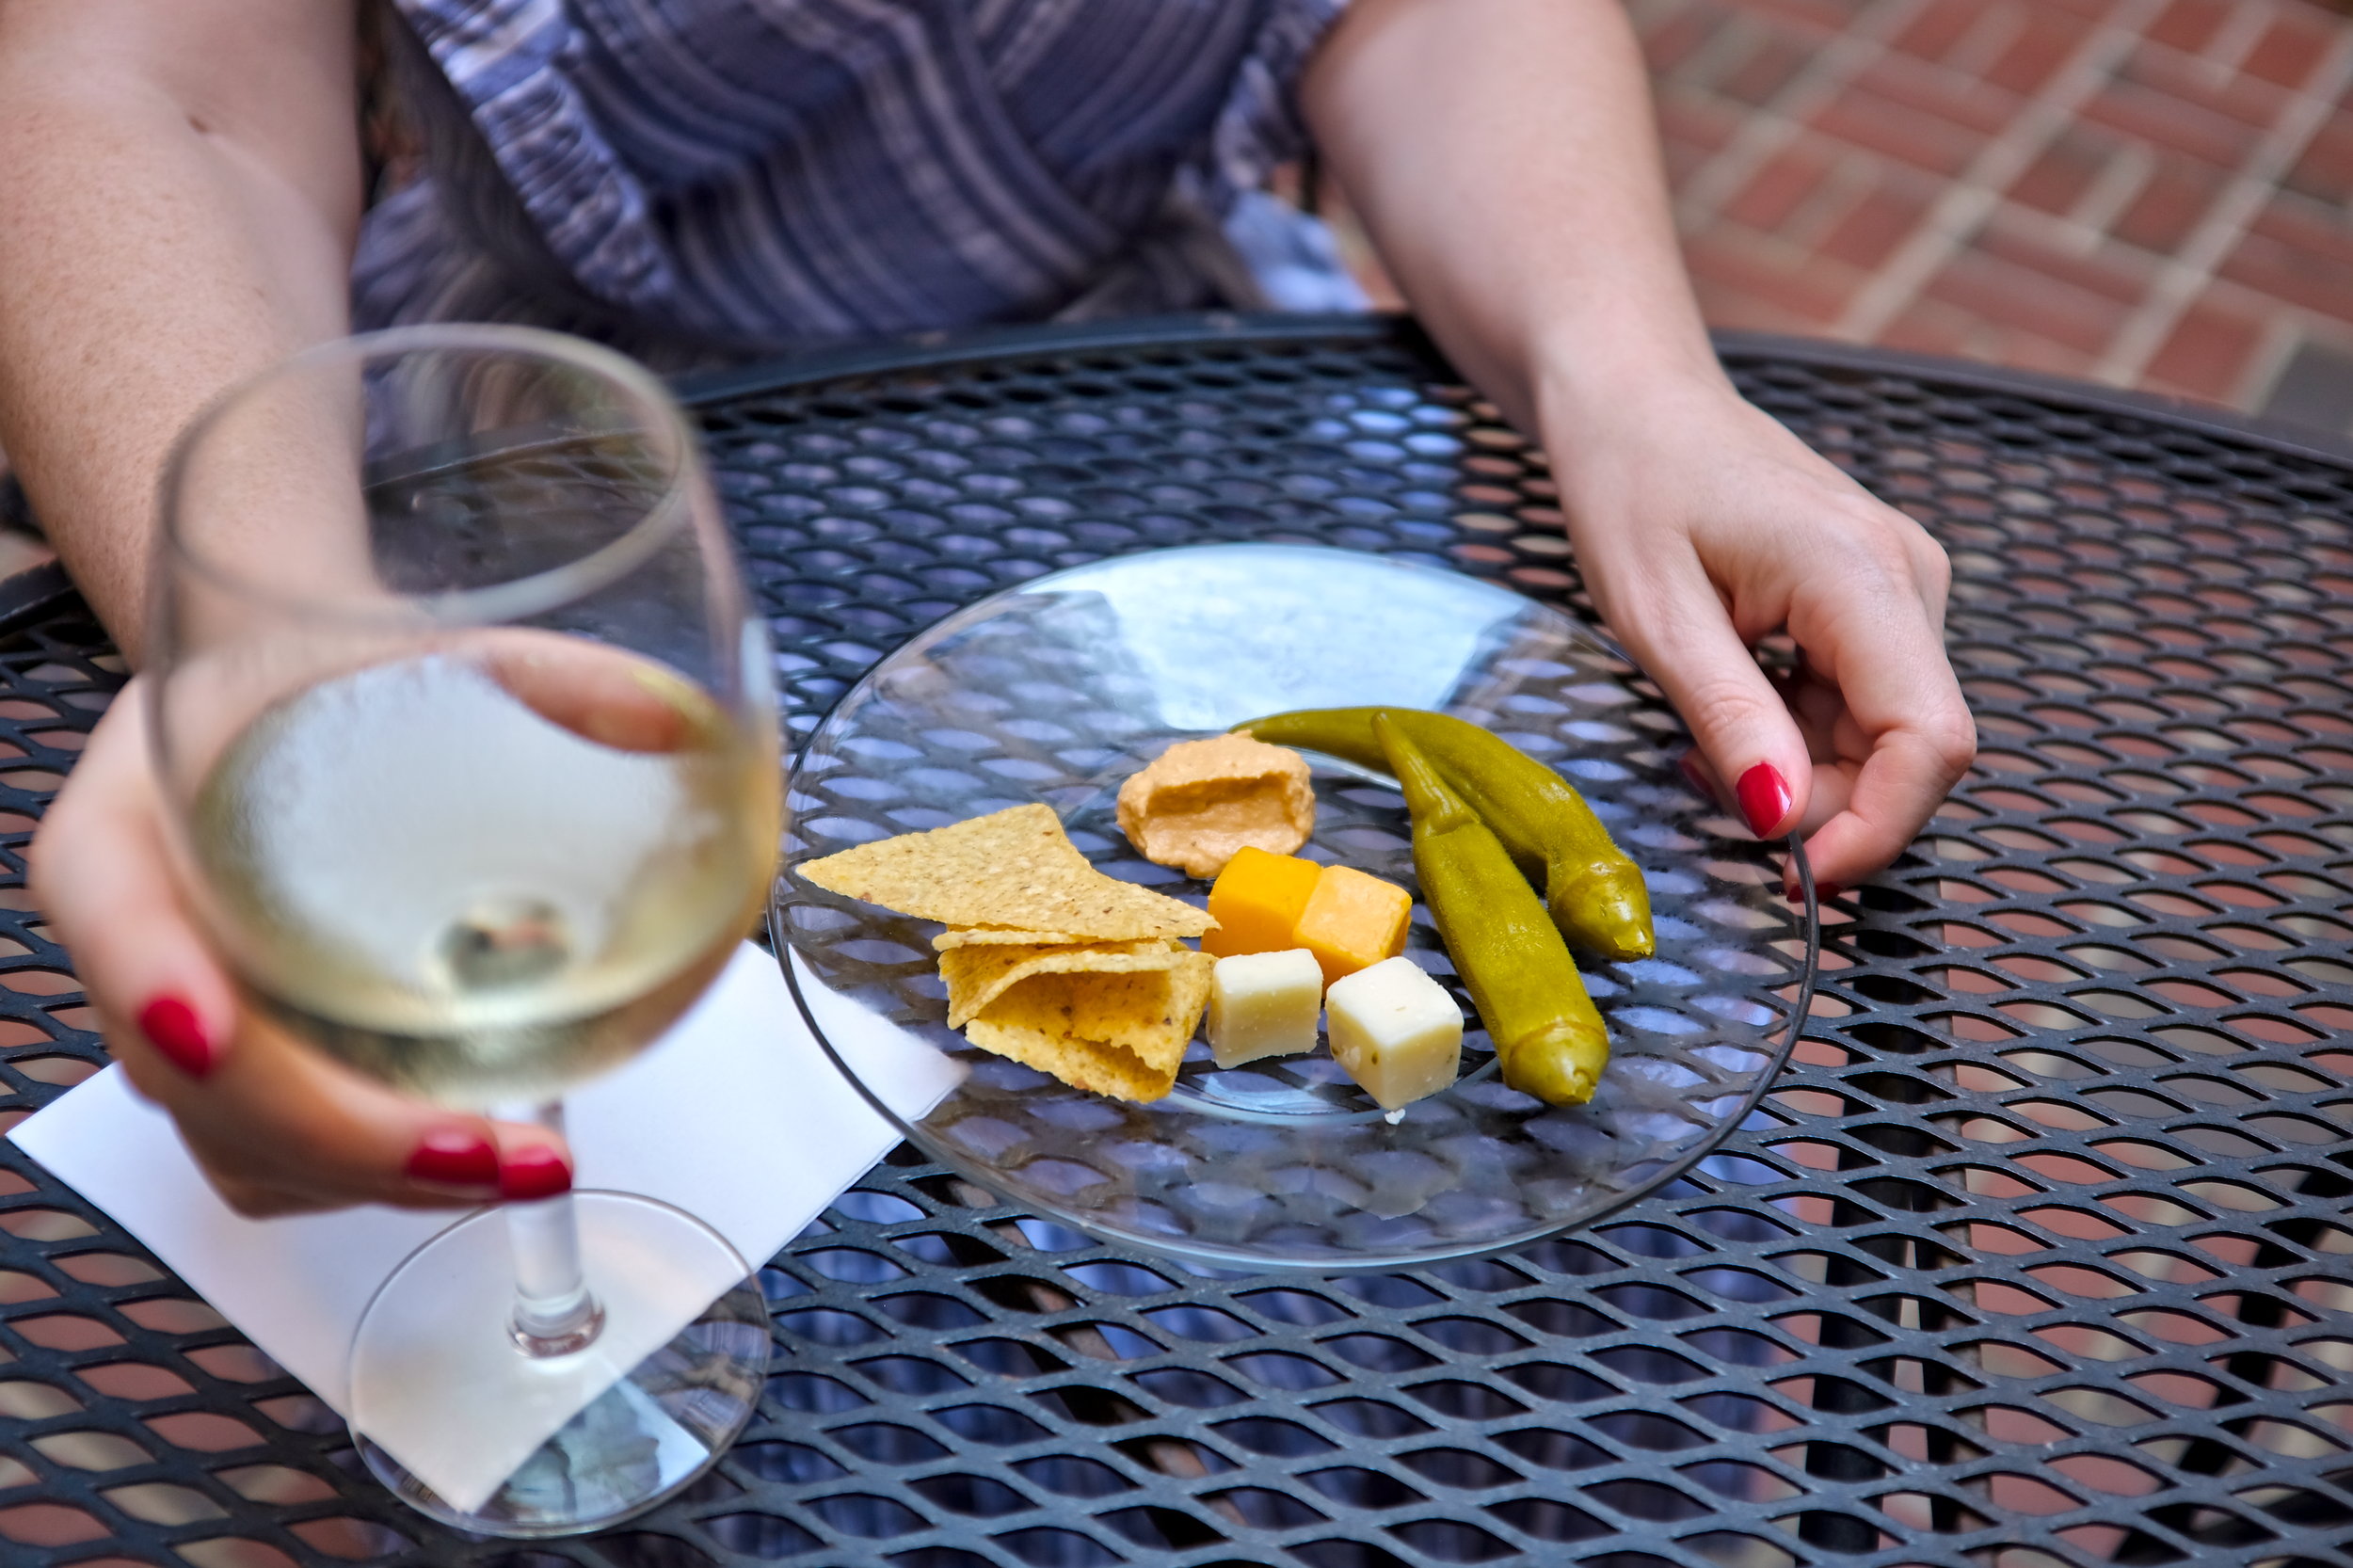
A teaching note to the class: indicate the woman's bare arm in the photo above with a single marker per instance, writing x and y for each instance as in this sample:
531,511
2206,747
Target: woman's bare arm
1502,155
178,196
180,190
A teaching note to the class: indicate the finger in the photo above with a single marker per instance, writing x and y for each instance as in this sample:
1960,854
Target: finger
281,1117
1832,741
1692,764
602,694
99,869
1907,710
1686,643
534,1163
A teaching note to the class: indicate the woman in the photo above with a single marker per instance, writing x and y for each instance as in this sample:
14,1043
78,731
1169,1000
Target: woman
182,203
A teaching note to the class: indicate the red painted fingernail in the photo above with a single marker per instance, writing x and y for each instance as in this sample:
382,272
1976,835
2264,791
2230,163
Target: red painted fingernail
534,1173
456,1157
172,1028
1825,891
1764,798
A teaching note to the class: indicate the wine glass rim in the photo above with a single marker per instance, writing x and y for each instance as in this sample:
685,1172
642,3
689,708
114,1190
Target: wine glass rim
494,603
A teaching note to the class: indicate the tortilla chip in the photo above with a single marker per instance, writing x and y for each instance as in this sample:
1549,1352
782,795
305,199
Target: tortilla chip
976,976
1098,1069
983,936
1120,1035
1013,869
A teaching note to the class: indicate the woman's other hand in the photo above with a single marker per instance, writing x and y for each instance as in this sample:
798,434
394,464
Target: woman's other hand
1502,155
1701,525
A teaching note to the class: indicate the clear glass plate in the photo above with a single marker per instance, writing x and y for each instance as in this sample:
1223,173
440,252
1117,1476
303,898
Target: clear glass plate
1059,690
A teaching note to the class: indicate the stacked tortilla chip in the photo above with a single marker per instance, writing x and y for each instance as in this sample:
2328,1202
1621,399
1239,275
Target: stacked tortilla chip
1046,960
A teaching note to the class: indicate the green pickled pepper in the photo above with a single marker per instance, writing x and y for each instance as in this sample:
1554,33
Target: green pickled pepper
1595,894
1549,1039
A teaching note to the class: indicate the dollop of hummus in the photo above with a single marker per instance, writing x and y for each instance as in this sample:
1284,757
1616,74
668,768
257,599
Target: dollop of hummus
1200,801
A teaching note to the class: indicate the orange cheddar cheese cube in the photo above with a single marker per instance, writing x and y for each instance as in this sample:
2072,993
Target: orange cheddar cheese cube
1257,899
1352,921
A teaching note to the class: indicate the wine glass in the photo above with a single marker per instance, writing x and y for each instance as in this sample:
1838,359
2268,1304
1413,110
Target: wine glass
465,726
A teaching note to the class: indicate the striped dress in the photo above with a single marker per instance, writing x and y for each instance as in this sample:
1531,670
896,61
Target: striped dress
709,179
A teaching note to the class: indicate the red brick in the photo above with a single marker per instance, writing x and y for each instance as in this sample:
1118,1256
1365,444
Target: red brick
2114,274
2307,227
2295,43
1808,289
2062,171
1700,120
2024,350
1885,215
1943,23
1928,328
2189,25
1672,41
1811,16
2165,123
1771,62
2207,353
1948,94
2295,257
2325,171
1899,131
2176,197
1723,306
2031,299
2046,42
2251,103
1692,130
1779,189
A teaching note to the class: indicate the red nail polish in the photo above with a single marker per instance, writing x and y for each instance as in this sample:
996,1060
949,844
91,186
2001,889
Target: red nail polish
1825,891
1764,798
455,1157
172,1028
534,1173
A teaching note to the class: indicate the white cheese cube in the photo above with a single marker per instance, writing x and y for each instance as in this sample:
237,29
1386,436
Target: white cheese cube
1396,1031
1264,1005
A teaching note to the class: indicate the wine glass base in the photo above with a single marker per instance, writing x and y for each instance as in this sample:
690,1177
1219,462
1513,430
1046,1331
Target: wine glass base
583,1440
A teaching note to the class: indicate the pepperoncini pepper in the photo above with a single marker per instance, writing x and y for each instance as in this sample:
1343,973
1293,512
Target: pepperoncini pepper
1549,1040
1595,894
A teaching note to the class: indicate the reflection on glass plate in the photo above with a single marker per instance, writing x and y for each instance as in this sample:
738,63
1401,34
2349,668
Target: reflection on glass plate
1059,690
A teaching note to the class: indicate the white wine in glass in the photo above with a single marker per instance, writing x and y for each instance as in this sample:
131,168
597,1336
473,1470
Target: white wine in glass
438,946
464,718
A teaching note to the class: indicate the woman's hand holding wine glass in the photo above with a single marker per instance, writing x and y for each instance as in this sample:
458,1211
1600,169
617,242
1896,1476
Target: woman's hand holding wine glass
469,798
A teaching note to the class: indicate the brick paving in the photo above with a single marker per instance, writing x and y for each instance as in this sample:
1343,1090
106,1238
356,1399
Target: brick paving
2148,193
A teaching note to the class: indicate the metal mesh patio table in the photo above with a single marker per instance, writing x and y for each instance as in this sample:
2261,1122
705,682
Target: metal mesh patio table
2040,1252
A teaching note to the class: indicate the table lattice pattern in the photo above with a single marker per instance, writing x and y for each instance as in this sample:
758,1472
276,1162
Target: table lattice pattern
2039,1255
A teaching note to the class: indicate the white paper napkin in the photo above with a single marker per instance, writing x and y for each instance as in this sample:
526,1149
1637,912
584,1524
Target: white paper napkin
736,1117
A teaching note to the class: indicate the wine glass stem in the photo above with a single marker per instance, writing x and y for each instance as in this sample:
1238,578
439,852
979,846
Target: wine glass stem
554,1314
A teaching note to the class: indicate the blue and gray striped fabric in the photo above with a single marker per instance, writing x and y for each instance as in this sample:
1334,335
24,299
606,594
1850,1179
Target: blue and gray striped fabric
713,177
